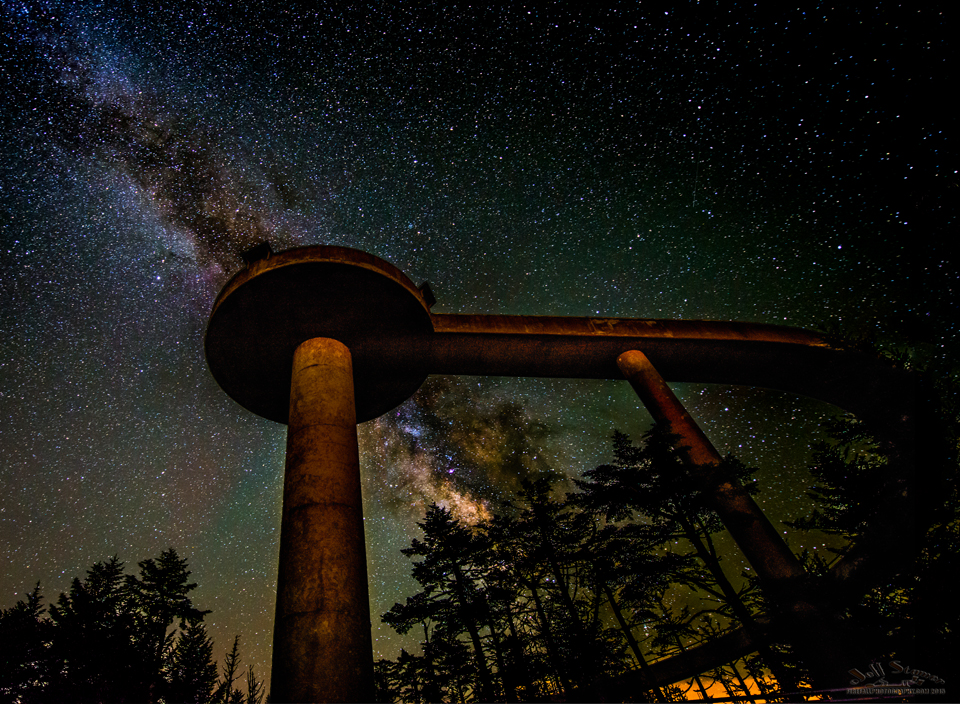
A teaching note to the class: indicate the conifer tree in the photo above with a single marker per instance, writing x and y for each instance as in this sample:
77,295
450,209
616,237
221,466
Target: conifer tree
449,573
25,662
649,483
256,691
226,692
192,672
113,638
95,641
556,537
159,594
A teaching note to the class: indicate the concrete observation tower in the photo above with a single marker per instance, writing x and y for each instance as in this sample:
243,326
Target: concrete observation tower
322,338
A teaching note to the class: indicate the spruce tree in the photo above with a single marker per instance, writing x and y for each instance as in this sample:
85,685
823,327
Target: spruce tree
113,638
450,574
192,672
26,665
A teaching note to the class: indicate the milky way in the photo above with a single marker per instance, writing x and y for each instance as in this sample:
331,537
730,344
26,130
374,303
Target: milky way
788,166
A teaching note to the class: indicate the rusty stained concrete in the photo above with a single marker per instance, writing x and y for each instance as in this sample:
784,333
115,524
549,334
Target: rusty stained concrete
322,647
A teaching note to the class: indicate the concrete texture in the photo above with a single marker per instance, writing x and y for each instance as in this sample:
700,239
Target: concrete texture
322,649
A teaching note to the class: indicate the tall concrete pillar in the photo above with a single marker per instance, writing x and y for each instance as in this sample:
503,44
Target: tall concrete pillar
322,649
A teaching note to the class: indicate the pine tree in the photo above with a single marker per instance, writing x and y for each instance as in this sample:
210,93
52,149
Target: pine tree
450,574
256,692
95,639
520,574
114,638
560,539
907,612
650,484
25,663
192,672
231,672
160,596
633,572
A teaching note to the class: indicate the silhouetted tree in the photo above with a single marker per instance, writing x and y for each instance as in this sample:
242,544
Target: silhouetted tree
256,691
26,665
543,600
113,638
384,681
632,571
226,692
451,667
649,483
848,471
192,672
533,641
560,541
912,607
159,599
97,643
452,556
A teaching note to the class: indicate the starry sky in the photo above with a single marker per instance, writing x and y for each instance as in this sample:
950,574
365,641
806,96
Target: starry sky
790,166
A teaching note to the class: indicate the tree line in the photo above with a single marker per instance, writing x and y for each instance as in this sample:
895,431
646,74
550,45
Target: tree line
559,596
563,597
115,637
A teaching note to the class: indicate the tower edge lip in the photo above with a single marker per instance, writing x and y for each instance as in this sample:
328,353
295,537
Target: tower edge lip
332,254
219,336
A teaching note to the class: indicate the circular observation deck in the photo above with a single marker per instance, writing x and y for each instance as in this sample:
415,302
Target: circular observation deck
277,302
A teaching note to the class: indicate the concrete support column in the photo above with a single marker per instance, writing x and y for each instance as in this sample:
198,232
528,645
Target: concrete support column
750,528
322,649
816,638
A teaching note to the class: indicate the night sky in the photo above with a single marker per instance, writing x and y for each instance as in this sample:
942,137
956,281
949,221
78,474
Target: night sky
781,166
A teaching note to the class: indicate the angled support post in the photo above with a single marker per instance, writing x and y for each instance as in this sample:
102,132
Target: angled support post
750,528
774,563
